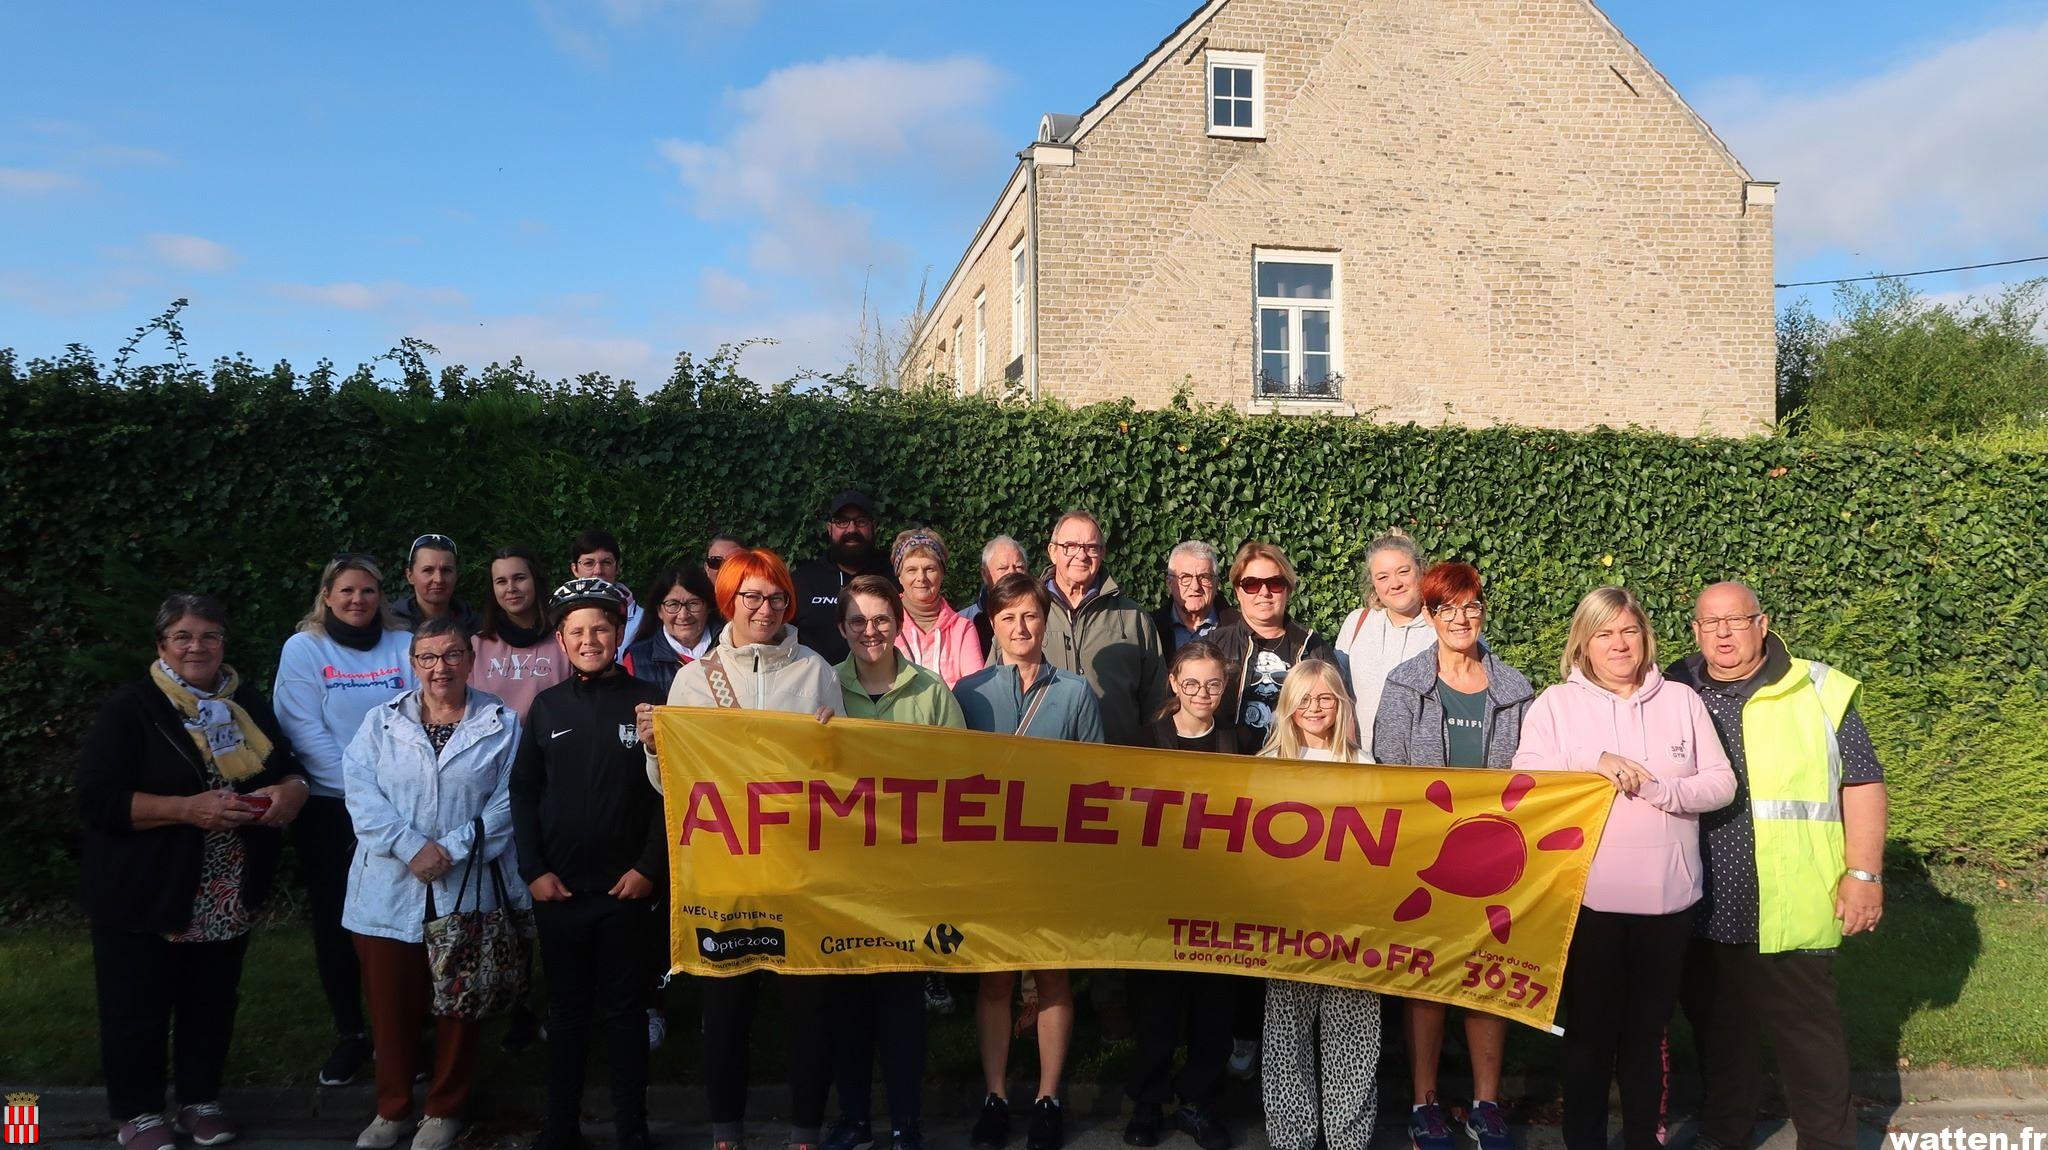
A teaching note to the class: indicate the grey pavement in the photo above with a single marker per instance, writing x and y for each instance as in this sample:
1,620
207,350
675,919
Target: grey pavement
1991,1116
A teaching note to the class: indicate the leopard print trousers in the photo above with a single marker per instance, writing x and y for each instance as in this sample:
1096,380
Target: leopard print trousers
1350,1023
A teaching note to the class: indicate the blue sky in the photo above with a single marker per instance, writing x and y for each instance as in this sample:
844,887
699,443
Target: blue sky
599,184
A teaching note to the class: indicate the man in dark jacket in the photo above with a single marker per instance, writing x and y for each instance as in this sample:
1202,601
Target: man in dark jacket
1192,609
1262,646
849,553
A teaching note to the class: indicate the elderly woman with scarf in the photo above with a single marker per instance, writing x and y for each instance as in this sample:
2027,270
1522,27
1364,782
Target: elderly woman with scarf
183,784
934,636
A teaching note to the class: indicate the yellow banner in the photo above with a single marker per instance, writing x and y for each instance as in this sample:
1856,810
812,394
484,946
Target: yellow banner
810,848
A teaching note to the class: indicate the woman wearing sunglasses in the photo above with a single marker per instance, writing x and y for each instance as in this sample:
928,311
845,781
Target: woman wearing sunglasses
1264,644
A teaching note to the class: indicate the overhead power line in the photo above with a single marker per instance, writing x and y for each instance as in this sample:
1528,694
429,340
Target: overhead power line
1907,275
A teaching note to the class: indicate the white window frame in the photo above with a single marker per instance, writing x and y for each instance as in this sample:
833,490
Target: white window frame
1295,307
980,339
1020,280
1256,63
959,367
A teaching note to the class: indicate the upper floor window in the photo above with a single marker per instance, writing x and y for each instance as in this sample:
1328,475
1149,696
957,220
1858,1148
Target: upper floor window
1237,94
1299,338
1019,279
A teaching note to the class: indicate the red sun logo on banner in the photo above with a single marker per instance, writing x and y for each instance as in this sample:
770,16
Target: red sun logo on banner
1482,856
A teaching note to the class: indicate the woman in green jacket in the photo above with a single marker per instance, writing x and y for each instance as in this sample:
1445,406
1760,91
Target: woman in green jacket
879,683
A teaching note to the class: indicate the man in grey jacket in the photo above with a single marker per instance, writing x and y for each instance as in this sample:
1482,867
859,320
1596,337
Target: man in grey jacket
1101,634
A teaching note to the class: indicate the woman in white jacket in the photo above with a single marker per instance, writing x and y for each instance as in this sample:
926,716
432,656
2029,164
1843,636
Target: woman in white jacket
757,664
428,775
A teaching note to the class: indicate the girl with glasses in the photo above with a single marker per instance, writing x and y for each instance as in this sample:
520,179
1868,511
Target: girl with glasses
1315,723
681,624
1265,642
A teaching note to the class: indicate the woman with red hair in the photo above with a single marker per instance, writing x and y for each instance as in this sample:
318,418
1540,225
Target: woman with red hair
758,664
1456,704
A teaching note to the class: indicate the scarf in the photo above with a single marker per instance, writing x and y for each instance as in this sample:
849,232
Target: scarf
521,637
223,731
351,636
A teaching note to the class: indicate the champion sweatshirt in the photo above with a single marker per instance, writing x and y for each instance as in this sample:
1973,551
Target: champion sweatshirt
324,689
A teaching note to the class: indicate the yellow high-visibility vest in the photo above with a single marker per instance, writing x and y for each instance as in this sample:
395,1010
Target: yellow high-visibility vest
1794,757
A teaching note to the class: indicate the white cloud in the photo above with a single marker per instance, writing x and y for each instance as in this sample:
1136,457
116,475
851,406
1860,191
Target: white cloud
373,297
551,345
809,131
190,253
1945,153
37,181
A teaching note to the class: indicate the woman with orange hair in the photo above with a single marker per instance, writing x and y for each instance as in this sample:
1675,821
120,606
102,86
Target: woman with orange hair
758,664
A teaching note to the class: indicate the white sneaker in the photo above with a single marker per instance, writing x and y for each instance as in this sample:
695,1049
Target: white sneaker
382,1133
1244,1056
657,1030
437,1134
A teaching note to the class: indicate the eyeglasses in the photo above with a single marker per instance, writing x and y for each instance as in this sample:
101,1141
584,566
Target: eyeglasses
1205,579
1732,622
682,606
860,626
1275,585
187,640
844,521
1458,610
432,542
755,600
1317,703
1076,550
1200,686
428,660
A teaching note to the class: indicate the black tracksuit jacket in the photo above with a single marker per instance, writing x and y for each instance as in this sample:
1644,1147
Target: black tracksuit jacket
582,807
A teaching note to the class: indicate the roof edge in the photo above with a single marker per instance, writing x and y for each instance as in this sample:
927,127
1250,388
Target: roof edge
1699,121
1011,189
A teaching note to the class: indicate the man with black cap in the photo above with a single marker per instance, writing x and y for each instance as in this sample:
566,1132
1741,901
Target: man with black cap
850,552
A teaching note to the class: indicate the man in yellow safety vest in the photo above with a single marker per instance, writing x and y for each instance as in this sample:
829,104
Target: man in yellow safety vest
1792,865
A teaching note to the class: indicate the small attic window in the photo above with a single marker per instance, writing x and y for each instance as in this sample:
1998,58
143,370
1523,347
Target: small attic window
1236,94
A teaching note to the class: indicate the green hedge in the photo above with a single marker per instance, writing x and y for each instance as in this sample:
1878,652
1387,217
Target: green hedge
1922,569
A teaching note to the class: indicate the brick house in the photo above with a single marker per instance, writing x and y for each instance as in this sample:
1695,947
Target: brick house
1486,211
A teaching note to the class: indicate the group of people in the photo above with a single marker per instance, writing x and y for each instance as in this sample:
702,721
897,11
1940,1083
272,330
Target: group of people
424,756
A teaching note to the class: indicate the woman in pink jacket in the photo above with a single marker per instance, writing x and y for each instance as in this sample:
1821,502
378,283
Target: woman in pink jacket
934,636
1615,715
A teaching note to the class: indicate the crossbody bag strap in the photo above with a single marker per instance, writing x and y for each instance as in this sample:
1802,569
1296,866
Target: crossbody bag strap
722,694
1031,708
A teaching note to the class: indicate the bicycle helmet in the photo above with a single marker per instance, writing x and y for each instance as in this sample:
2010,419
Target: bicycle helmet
600,593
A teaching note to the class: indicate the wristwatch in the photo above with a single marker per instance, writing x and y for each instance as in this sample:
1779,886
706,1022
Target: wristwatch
1864,876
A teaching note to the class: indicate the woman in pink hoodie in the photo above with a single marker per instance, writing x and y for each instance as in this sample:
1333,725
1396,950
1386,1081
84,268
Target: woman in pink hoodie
1615,715
934,636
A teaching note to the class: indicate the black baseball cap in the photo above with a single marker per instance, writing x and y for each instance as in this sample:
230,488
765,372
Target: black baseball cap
850,498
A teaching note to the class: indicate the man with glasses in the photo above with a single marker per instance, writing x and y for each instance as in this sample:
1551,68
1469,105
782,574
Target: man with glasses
1792,865
594,554
1101,634
1265,643
849,554
1192,610
723,546
430,571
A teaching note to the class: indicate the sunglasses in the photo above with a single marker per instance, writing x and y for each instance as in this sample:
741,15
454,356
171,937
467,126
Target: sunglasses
432,542
1272,586
713,562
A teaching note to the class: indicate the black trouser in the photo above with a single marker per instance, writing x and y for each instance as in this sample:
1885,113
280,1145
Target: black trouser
1164,1005
150,988
888,1007
1732,994
1248,1009
326,842
729,1021
594,949
1620,983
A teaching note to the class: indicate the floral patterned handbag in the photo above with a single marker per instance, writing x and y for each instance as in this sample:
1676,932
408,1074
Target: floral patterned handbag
480,960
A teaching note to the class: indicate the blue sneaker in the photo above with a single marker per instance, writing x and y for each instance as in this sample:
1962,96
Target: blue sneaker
1488,1127
849,1136
1426,1127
